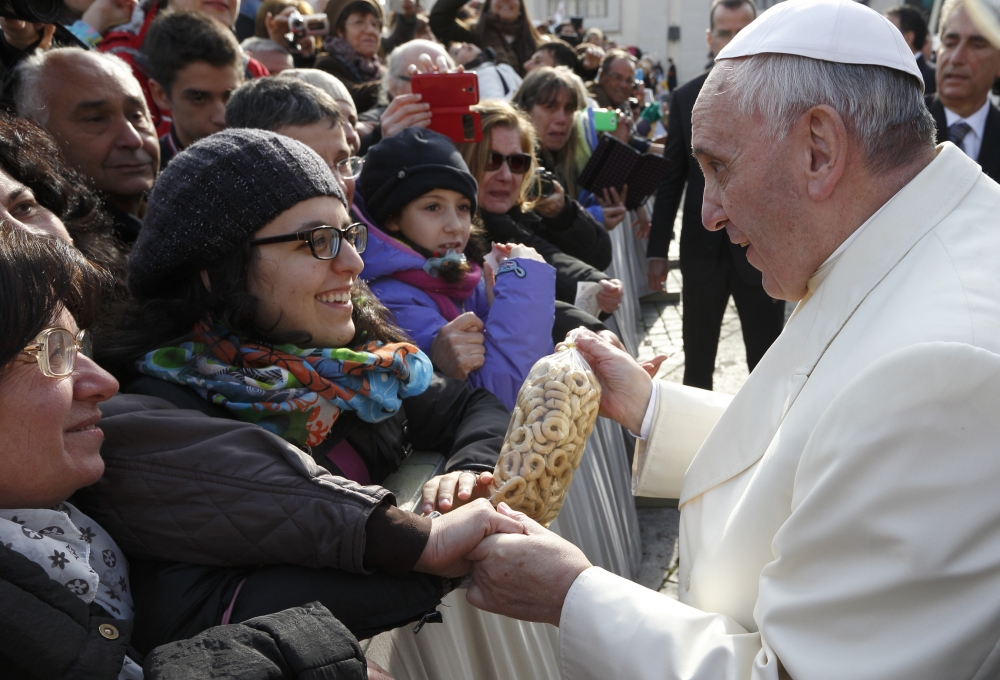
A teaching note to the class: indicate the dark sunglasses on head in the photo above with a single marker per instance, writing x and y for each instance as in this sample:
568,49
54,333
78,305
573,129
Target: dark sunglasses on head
518,162
324,241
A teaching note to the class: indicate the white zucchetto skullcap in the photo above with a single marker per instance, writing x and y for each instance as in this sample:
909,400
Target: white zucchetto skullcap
841,31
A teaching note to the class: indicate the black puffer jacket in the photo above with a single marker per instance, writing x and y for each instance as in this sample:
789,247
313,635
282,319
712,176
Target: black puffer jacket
575,232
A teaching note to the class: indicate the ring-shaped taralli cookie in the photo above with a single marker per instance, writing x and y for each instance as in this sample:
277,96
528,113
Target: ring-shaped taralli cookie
532,466
577,381
566,478
512,491
516,418
532,492
538,413
557,386
531,404
555,427
536,432
543,449
557,463
560,406
520,439
545,481
510,464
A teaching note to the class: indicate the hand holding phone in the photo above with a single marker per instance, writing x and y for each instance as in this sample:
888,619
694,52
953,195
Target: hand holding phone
450,96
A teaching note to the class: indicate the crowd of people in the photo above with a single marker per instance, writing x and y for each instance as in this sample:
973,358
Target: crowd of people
242,280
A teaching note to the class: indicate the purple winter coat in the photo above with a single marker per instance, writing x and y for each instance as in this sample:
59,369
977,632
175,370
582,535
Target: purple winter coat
518,327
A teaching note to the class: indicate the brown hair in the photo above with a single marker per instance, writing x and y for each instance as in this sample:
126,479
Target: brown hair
496,113
541,87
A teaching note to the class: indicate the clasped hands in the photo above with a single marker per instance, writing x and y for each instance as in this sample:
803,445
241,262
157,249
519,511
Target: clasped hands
520,569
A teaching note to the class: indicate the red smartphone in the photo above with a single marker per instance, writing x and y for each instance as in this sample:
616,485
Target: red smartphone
450,96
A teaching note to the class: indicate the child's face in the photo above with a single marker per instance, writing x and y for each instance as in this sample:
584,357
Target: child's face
439,221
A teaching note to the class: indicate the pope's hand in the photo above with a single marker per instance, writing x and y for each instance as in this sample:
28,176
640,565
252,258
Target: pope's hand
454,535
625,385
524,576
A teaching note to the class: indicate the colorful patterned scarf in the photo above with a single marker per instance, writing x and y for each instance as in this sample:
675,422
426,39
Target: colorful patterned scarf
293,392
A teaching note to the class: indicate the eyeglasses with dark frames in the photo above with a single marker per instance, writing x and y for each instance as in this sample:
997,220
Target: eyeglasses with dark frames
517,162
324,240
55,350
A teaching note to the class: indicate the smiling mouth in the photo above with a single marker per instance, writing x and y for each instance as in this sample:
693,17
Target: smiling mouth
334,297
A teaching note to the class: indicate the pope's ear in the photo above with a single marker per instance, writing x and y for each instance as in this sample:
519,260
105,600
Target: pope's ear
825,136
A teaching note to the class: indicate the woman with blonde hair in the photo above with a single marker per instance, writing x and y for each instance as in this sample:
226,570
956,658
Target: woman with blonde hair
512,210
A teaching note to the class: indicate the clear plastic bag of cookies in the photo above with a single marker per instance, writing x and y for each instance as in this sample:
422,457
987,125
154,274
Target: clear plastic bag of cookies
554,415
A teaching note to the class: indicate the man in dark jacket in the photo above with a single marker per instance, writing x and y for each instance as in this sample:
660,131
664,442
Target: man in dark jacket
911,23
711,266
967,65
94,108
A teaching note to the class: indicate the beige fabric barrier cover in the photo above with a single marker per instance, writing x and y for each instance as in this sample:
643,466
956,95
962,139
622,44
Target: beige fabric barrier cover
599,517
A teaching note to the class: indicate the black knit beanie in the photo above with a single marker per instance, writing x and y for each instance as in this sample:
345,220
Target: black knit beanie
214,195
406,166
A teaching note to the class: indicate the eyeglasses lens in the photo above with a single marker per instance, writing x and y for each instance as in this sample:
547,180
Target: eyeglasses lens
60,350
360,237
325,242
519,163
350,168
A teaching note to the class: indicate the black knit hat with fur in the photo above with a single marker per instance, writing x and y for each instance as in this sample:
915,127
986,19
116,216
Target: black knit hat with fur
404,167
214,195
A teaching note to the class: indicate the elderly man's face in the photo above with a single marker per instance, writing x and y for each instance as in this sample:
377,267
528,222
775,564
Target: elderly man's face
967,64
617,80
751,191
399,83
102,124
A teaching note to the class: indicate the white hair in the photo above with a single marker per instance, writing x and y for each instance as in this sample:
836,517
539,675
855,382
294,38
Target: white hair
31,93
255,44
882,108
323,80
396,65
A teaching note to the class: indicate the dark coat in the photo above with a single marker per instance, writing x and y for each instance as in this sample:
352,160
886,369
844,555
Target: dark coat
929,74
170,463
699,246
989,151
364,93
48,632
578,233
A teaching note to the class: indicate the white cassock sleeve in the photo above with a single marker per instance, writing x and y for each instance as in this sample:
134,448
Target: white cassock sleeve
888,566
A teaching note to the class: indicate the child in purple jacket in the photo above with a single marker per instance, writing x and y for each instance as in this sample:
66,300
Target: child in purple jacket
425,263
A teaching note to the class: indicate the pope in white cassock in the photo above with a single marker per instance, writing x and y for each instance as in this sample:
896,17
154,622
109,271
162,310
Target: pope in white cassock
841,519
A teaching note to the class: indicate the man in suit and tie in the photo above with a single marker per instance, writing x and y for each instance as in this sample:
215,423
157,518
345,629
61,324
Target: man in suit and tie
712,268
911,23
967,65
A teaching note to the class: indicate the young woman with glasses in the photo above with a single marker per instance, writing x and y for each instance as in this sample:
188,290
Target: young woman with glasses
484,325
282,396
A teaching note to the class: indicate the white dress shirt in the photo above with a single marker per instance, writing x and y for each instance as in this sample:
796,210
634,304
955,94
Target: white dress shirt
977,121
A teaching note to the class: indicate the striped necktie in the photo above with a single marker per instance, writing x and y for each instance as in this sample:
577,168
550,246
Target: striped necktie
957,133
